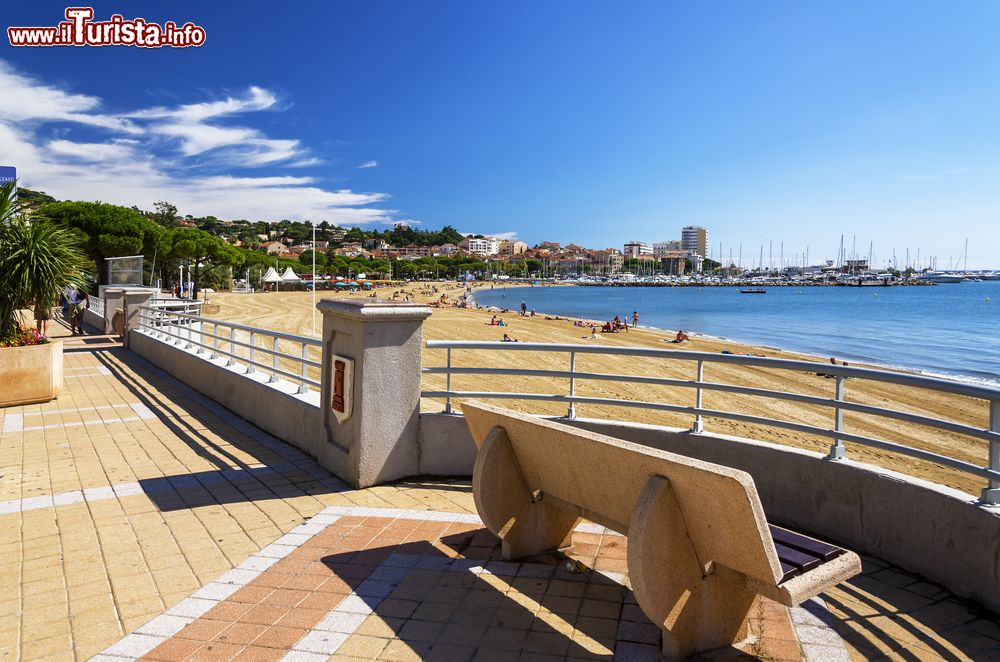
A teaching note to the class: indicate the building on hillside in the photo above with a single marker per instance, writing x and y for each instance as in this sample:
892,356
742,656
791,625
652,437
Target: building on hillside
549,245
274,248
480,245
377,244
661,248
636,249
444,249
510,247
695,238
416,251
351,249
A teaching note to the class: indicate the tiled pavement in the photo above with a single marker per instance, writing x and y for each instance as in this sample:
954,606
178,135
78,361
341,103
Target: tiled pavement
134,505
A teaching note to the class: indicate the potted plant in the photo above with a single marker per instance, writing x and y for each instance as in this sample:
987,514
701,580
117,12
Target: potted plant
38,258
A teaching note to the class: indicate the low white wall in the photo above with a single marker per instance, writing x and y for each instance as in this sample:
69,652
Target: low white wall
275,408
935,531
93,320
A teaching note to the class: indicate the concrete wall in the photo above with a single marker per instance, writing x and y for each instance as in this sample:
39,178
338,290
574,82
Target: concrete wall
93,320
445,445
929,529
275,407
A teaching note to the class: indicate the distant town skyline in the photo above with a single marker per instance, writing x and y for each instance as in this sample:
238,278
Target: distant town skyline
771,125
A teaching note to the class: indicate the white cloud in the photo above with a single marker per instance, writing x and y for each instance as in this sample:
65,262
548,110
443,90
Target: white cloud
510,236
92,151
368,164
181,154
25,100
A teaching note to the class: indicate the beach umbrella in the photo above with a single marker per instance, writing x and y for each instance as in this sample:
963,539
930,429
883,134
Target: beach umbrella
339,283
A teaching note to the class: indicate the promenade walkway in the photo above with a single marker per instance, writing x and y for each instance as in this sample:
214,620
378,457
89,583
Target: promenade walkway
140,520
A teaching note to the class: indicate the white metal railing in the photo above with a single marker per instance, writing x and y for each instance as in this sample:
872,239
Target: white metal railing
97,305
190,306
839,405
247,346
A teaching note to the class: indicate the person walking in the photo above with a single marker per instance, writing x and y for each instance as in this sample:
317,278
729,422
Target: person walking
78,300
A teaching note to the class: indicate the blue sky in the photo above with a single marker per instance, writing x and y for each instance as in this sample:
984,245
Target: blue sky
591,122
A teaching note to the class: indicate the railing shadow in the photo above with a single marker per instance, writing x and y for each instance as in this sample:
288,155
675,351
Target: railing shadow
186,413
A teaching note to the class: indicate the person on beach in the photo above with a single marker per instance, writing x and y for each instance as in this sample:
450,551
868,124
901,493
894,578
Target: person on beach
681,336
507,338
524,309
635,319
500,322
493,322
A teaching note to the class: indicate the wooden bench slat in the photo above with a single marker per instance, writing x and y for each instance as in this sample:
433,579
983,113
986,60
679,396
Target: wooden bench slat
804,544
789,571
800,560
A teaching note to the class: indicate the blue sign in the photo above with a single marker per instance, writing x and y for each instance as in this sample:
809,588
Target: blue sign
7,174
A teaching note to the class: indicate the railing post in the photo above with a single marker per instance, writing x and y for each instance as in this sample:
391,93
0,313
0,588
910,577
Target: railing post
215,342
274,361
699,423
232,347
447,402
253,343
837,451
991,493
572,386
305,369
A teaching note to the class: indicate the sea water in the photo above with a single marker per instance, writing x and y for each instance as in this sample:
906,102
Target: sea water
949,329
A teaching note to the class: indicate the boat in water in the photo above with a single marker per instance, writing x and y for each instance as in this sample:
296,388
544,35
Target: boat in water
939,277
753,290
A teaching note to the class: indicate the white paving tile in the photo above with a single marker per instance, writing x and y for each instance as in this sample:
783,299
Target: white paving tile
165,625
341,621
321,642
192,607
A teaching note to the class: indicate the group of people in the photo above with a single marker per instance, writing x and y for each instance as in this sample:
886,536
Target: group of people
497,321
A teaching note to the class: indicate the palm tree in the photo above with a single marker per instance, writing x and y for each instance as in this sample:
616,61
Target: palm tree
38,258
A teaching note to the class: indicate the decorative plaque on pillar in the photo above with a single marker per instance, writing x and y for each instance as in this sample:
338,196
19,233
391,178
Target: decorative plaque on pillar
341,397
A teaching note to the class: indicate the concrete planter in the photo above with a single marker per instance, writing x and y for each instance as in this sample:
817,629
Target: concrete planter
30,374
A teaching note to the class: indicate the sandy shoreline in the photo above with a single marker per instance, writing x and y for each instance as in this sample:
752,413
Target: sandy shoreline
292,313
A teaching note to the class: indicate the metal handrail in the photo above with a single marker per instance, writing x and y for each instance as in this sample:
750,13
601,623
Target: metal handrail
177,326
991,472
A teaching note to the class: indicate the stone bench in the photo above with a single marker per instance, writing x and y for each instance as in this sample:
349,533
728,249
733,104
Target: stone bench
700,551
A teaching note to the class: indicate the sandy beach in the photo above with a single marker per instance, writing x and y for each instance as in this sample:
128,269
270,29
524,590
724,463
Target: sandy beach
291,312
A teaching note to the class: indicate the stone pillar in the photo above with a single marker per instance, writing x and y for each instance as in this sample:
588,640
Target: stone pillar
114,299
133,300
371,423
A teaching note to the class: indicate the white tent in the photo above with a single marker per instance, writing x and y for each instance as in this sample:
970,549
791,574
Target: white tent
289,276
271,276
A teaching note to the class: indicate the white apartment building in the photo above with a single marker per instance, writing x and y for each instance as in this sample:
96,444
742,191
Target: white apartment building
481,246
661,248
636,249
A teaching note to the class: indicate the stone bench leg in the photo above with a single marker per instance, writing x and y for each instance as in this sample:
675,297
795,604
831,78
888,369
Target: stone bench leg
698,611
525,523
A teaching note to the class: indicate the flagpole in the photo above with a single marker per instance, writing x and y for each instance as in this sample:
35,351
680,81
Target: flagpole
314,279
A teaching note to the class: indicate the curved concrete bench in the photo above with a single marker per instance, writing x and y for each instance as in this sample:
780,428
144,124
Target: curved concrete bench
700,550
